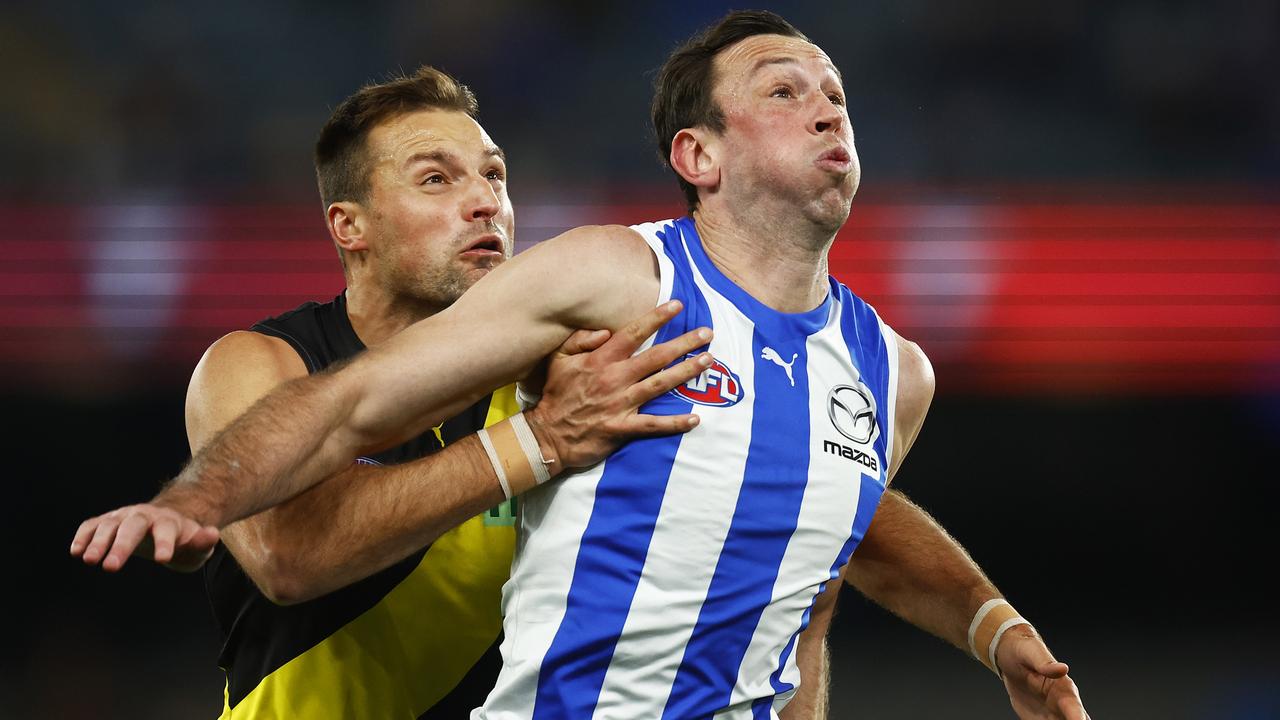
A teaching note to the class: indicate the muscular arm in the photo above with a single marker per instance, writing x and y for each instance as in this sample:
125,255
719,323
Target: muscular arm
358,521
302,429
311,427
908,564
365,518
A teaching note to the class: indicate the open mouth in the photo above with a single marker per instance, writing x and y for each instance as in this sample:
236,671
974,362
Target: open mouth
485,244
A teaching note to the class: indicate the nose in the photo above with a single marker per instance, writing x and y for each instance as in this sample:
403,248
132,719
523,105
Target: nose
829,117
482,203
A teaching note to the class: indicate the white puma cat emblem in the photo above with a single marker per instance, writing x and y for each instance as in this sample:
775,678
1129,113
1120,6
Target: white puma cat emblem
772,355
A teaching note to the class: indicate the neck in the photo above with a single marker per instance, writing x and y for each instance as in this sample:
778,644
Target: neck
376,316
781,265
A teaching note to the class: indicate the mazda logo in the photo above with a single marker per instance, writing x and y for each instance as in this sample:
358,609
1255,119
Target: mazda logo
853,411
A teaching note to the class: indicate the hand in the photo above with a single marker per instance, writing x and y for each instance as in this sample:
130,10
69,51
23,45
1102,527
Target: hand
1038,685
594,387
166,535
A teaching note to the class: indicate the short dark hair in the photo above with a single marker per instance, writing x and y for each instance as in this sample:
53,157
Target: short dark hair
342,163
682,91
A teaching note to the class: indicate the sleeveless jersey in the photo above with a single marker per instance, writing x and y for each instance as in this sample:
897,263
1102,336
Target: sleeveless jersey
418,639
672,580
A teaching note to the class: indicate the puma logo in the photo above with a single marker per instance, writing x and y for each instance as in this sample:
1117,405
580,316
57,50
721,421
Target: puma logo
772,356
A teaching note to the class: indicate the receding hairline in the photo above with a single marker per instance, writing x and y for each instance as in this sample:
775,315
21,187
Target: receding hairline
774,58
376,134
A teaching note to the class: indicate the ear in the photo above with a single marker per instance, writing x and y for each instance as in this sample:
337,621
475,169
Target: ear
347,225
695,157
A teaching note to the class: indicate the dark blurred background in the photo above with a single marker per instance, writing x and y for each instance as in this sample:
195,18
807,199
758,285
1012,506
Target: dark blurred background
1072,207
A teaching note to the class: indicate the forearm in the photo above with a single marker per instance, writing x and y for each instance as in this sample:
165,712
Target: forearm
810,700
909,565
363,520
287,442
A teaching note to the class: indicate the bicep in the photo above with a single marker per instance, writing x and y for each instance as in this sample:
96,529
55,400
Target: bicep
499,330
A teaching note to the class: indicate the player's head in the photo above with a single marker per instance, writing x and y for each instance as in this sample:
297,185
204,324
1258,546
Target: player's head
749,111
414,189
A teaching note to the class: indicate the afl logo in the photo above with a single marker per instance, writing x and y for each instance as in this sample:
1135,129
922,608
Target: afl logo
853,411
717,386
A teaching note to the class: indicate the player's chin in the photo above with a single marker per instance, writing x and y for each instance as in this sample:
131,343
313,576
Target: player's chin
472,273
831,208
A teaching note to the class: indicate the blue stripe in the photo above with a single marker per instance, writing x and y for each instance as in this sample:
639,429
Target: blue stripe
869,493
616,541
761,708
768,508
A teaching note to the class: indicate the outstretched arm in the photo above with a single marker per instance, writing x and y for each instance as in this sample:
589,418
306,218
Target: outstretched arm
909,565
312,427
367,518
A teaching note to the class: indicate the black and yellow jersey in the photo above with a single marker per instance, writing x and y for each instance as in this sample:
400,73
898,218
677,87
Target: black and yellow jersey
416,640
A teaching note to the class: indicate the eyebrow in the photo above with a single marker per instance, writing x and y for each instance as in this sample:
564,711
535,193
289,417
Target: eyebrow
788,60
449,158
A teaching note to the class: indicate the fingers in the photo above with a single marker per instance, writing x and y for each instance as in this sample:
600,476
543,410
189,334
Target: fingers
583,341
1053,669
164,534
133,529
654,425
205,538
103,535
626,341
674,376
84,534
660,356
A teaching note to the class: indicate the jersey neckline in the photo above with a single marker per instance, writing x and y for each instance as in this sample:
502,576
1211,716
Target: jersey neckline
807,323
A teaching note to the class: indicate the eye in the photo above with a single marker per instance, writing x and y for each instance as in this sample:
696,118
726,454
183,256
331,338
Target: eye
782,91
836,99
433,179
495,174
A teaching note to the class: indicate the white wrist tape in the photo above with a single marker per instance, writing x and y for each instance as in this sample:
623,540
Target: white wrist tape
487,442
532,451
995,641
989,624
515,454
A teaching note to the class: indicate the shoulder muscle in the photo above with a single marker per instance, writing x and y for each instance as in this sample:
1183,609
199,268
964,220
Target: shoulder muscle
915,394
233,374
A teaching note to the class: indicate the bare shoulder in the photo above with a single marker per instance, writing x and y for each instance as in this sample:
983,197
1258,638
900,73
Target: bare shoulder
234,373
915,394
915,379
246,352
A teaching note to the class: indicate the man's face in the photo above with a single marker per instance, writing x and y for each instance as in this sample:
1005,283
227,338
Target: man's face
787,131
440,218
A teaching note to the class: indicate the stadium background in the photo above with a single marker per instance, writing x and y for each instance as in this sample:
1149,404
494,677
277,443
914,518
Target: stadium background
1072,207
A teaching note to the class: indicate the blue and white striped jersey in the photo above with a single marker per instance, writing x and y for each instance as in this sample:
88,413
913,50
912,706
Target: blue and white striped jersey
672,580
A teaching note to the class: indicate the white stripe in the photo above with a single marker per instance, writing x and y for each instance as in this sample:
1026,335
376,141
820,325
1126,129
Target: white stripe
552,520
693,522
825,520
